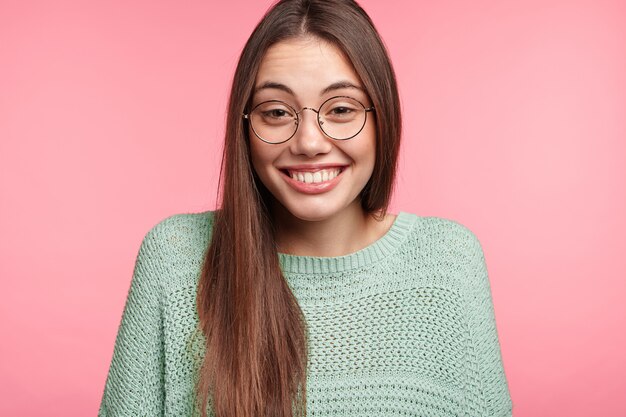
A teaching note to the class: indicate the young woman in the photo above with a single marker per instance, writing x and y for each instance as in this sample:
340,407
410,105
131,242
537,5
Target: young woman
301,293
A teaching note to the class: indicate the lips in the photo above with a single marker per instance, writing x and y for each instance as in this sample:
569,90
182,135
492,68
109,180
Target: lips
322,175
312,187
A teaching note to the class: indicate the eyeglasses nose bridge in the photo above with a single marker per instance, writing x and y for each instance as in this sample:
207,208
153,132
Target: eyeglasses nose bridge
316,111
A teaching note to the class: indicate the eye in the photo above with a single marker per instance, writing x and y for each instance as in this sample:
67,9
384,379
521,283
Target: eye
275,113
341,110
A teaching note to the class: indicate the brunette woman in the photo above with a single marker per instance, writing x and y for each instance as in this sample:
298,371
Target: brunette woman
301,292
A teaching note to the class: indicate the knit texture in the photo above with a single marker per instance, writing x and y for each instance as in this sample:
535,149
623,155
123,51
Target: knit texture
403,327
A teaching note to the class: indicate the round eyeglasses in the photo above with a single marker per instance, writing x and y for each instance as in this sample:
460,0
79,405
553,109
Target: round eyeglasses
340,118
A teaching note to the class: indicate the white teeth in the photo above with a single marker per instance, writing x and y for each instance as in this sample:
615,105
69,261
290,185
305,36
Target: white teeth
315,177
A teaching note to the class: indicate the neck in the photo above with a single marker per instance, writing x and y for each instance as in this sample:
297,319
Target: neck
346,232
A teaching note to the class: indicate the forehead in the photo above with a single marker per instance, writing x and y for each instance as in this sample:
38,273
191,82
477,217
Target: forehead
306,66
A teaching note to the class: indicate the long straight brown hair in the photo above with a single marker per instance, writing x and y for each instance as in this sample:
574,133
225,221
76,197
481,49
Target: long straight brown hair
255,336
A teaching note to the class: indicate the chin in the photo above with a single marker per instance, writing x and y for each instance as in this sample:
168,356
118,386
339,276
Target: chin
311,214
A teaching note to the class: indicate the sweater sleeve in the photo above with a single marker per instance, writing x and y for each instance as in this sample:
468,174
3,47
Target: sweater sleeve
134,385
488,393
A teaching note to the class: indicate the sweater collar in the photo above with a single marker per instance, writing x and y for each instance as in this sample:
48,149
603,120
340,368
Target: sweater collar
377,250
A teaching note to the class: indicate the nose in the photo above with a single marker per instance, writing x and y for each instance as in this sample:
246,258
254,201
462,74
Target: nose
309,139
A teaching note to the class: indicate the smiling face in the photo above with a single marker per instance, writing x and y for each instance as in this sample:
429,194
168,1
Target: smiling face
305,72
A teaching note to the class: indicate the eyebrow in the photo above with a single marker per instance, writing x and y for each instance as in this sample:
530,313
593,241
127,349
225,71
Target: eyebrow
334,86
341,85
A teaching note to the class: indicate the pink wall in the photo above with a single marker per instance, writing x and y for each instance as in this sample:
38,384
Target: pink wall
111,116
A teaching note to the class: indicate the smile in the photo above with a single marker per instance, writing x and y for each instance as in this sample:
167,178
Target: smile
320,176
313,182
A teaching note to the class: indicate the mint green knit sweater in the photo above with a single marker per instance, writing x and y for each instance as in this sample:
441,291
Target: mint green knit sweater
403,327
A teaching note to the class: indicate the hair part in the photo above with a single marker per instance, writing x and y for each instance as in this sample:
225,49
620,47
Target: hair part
255,335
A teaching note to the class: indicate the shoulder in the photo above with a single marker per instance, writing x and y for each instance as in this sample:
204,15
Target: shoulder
444,244
444,234
175,244
180,229
445,253
178,222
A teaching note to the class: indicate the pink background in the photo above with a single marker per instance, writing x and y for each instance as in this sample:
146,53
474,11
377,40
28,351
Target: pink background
111,118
